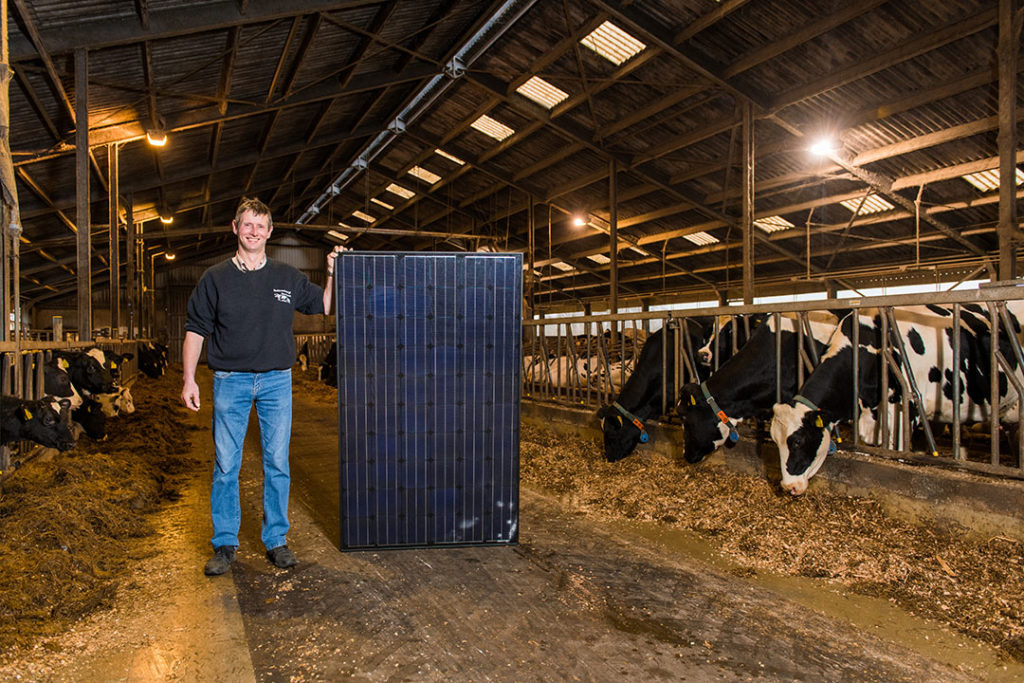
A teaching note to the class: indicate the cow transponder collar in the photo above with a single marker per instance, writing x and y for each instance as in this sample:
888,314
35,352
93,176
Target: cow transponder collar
637,422
831,430
733,434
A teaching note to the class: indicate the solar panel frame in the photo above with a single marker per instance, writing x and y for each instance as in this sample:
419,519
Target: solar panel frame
429,361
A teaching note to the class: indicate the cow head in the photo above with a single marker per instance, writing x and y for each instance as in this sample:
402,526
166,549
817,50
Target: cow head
802,435
703,432
46,422
92,420
620,435
87,372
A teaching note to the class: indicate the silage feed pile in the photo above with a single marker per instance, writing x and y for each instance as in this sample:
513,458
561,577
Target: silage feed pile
66,518
975,586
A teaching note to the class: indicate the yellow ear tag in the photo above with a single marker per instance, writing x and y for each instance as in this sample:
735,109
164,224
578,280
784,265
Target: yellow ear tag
113,365
693,401
28,414
818,423
63,364
620,419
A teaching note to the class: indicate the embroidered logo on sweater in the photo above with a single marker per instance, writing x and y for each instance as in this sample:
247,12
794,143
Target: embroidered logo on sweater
283,295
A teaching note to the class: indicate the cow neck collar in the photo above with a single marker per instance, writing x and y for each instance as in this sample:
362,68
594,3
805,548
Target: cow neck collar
733,434
637,422
799,398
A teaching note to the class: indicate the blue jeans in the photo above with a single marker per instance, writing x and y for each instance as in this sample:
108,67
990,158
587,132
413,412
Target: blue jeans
233,396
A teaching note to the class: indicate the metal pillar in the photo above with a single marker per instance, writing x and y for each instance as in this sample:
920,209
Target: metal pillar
1007,52
82,217
130,248
613,232
747,189
114,237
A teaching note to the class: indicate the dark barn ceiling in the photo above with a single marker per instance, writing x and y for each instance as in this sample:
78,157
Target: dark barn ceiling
286,99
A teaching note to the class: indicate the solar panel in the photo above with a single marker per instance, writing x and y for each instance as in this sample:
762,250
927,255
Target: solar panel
428,398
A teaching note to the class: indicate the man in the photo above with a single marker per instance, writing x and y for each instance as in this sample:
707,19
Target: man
244,307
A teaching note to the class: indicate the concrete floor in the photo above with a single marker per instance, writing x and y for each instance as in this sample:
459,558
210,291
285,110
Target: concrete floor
577,599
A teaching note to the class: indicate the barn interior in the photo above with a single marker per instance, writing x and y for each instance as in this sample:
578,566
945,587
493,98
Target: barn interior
639,155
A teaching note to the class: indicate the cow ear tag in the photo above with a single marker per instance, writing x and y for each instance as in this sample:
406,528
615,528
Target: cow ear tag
113,365
818,423
693,401
28,414
644,437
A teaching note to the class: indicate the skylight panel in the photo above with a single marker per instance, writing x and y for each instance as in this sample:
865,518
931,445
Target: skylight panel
701,238
341,237
362,215
424,174
773,224
873,204
612,43
449,157
542,92
988,181
599,258
488,126
562,266
378,202
400,191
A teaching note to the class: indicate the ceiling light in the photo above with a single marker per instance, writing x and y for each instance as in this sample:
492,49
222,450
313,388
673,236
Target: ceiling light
156,137
542,92
170,256
166,219
488,126
337,235
773,224
823,147
987,181
362,215
579,221
612,43
400,191
599,258
873,204
380,203
562,266
701,238
424,174
449,157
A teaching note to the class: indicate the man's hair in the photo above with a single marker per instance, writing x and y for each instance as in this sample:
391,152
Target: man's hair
257,207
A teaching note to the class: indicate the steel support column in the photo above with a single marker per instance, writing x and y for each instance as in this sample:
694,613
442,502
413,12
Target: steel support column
130,246
613,253
747,220
114,235
1007,51
82,217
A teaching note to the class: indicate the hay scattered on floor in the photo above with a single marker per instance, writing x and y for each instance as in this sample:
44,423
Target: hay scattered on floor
974,586
66,518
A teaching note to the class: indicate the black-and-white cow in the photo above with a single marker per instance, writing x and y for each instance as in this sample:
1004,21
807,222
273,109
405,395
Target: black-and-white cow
744,386
719,342
640,398
152,359
329,367
802,428
57,382
44,421
87,371
115,403
92,420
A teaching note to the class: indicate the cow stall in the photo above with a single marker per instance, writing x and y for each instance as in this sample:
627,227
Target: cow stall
945,419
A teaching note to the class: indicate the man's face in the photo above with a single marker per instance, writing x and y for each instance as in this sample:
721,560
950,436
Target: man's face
252,231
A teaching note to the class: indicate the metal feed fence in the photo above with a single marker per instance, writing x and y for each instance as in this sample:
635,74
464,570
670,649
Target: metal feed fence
21,374
572,361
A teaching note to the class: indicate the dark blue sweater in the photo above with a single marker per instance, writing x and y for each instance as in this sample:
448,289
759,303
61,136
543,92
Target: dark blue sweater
246,316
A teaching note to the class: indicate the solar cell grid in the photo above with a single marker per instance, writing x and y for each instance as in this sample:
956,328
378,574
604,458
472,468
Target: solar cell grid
428,398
